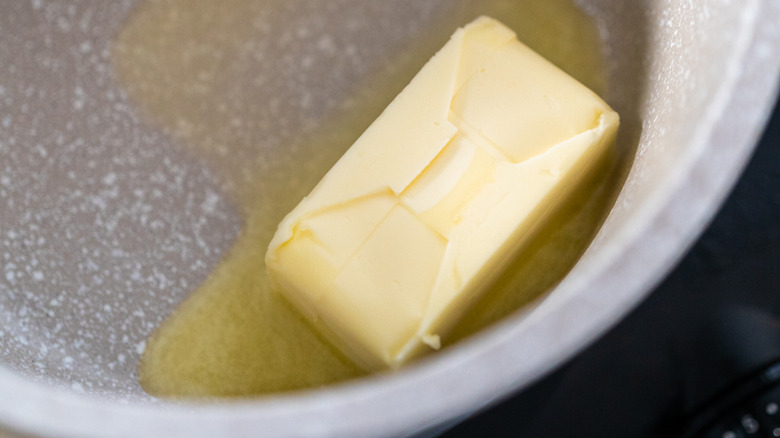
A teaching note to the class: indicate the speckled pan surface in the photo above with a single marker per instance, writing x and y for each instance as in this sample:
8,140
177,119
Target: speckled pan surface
99,213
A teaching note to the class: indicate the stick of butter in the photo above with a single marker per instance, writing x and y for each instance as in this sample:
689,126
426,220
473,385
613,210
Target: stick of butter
432,202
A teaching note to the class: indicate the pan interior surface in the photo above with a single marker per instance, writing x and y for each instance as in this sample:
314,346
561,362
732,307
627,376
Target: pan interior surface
151,143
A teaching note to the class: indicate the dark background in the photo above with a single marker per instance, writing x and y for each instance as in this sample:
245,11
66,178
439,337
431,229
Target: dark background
641,378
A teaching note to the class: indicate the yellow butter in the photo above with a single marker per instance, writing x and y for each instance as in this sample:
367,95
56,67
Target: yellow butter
428,206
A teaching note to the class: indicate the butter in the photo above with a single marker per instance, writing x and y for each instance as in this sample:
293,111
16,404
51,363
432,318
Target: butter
430,204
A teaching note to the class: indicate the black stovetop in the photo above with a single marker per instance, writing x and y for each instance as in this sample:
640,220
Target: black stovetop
640,378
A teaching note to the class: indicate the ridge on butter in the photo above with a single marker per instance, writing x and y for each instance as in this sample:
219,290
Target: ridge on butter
435,198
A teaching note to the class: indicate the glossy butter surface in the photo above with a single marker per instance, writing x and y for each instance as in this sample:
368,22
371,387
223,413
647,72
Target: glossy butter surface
430,203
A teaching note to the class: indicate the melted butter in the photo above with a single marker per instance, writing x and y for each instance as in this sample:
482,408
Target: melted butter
228,81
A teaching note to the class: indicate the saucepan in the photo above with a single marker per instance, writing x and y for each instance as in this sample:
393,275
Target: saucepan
114,203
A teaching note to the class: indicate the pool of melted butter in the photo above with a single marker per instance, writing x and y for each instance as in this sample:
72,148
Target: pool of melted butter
269,94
